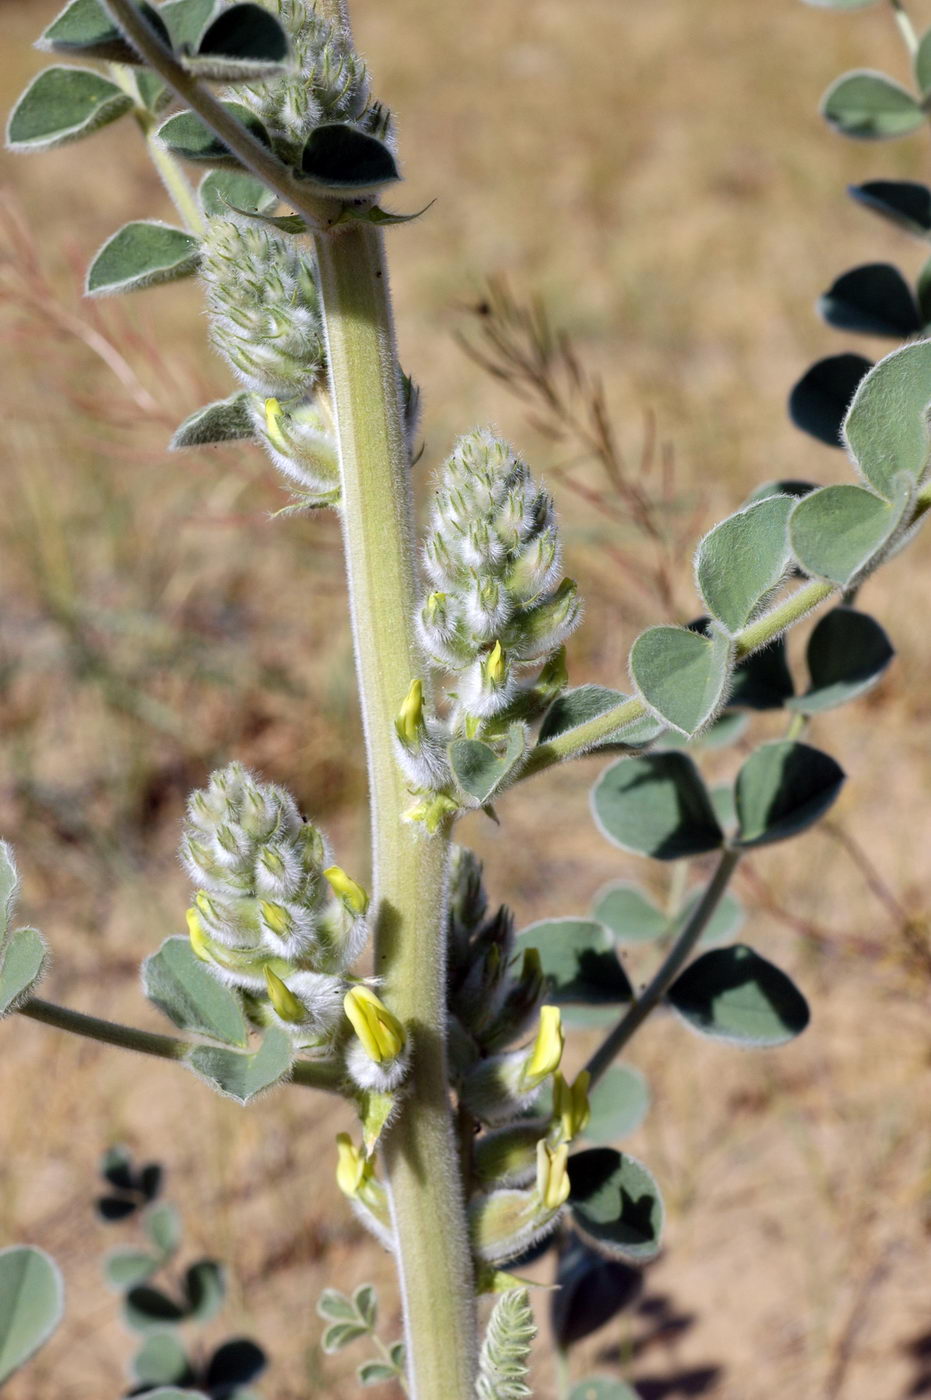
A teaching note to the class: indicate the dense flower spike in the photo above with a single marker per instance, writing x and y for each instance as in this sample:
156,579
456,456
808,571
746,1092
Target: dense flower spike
263,309
328,82
273,916
493,557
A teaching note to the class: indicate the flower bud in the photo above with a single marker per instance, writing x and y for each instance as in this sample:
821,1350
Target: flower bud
500,1087
352,895
299,439
507,1222
508,1156
571,1109
546,1051
263,308
380,1032
552,1177
355,1177
284,1002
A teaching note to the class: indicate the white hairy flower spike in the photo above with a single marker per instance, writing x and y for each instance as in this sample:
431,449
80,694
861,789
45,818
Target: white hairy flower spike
263,308
492,556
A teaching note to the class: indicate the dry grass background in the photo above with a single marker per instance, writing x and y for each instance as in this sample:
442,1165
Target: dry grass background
658,174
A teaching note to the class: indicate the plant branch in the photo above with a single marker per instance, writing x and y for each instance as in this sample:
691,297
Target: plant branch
668,970
409,865
765,629
307,1073
247,149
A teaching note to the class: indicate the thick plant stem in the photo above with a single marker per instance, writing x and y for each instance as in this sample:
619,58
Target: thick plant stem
420,1156
669,969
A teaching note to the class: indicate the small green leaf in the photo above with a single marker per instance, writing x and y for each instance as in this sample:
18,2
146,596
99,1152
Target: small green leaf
629,914
22,963
762,681
375,1372
681,674
839,531
343,158
171,1392
819,400
221,190
242,1076
163,1227
181,985
64,104
140,255
341,1334
873,300
619,1102
334,1306
605,1387
656,806
205,1289
148,1309
480,771
235,1363
578,957
742,560
615,1203
31,1304
782,789
922,64
245,43
733,994
870,107
186,135
186,20
848,652
125,1268
366,1305
9,887
227,420
886,427
723,924
590,1291
904,203
576,707
85,30
161,1360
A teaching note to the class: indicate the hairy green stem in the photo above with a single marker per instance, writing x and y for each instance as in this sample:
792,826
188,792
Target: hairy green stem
668,970
409,874
755,635
163,1047
250,151
310,1074
172,176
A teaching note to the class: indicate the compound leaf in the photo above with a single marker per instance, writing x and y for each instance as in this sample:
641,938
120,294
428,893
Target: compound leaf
62,105
733,994
31,1304
180,984
616,1203
782,789
742,559
868,106
143,254
656,805
681,674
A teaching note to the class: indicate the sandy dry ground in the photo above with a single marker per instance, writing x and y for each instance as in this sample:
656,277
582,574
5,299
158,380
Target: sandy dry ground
658,174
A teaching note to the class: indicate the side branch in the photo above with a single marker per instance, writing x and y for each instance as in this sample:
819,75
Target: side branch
669,969
307,1073
250,151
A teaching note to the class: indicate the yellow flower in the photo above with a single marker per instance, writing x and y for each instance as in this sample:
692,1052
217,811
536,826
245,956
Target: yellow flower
380,1032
